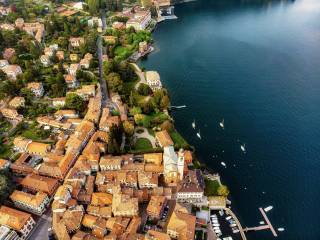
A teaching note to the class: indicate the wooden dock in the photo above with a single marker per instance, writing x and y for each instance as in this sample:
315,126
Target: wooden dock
263,227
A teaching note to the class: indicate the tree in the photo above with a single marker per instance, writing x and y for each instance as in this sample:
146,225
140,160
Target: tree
114,82
128,128
93,6
144,89
6,185
73,101
3,75
147,107
223,190
165,102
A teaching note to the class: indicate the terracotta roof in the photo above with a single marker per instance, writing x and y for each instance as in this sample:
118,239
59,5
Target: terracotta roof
156,205
155,158
155,235
31,199
13,218
164,138
101,199
40,183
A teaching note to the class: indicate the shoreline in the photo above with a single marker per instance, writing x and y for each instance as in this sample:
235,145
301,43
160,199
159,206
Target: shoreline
206,170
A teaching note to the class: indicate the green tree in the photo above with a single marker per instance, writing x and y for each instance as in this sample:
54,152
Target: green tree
73,101
6,185
114,82
144,89
3,75
128,128
223,190
165,102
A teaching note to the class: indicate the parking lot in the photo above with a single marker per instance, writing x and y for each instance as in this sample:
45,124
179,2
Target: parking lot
224,226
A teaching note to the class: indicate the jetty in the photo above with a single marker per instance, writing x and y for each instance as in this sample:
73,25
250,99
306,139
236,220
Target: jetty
268,225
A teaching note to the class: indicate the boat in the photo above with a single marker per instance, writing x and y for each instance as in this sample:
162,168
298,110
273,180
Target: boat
222,124
198,135
267,209
280,229
261,222
224,164
194,124
243,147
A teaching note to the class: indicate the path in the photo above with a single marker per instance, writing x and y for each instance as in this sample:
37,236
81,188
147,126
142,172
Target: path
140,74
145,134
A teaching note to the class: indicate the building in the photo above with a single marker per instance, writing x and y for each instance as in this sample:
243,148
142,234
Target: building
156,206
74,57
60,55
153,80
37,148
4,164
163,139
74,68
110,163
155,235
59,102
85,63
123,205
139,20
143,47
76,42
37,183
66,113
8,234
45,60
12,71
17,102
181,224
34,203
36,88
8,53
118,25
191,188
17,220
20,144
173,166
11,114
148,179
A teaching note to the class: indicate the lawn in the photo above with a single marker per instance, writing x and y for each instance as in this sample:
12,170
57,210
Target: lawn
142,144
179,141
122,52
211,188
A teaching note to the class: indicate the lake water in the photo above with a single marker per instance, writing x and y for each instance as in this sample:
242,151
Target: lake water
257,66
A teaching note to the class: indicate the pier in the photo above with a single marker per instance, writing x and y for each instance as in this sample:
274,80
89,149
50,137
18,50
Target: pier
263,227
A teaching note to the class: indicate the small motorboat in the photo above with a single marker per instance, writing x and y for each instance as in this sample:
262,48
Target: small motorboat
224,164
222,124
267,209
198,135
243,147
280,229
261,222
194,124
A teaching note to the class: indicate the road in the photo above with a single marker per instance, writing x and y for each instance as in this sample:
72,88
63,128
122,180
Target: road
103,84
140,74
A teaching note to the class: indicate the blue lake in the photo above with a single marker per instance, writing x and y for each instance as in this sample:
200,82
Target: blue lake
257,66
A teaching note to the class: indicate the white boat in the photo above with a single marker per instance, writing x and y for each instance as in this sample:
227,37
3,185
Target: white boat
267,209
194,124
243,147
261,222
198,135
222,124
280,229
224,164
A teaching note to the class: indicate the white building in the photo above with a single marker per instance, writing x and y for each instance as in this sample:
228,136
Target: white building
153,80
36,88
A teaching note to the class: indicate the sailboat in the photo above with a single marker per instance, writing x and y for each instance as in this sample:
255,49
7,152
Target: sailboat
222,124
243,147
267,209
224,164
194,124
198,134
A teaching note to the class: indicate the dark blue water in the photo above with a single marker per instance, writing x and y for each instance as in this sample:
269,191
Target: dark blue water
258,67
